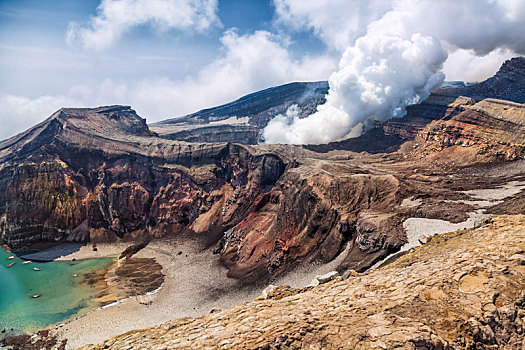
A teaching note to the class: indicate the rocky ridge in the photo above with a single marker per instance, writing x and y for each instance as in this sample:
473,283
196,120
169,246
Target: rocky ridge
507,84
243,120
101,174
489,127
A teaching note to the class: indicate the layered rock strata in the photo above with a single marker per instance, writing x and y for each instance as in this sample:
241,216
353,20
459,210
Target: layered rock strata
100,174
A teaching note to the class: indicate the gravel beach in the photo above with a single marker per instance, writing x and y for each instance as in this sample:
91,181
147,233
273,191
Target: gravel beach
195,283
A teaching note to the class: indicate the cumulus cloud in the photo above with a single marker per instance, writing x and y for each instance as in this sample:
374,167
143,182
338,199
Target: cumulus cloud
116,17
458,23
461,23
465,65
478,25
397,61
247,63
337,22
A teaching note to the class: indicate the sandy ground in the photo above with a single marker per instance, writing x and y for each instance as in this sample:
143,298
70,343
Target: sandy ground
195,283
498,193
417,227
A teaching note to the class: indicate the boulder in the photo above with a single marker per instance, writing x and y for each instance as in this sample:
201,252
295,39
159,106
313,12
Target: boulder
268,290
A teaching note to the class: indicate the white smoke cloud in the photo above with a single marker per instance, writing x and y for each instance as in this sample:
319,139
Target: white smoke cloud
337,22
397,61
116,17
377,79
274,129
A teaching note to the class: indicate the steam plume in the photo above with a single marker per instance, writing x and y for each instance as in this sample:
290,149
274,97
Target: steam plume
397,63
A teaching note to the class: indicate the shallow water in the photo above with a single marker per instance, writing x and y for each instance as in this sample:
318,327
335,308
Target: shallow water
61,295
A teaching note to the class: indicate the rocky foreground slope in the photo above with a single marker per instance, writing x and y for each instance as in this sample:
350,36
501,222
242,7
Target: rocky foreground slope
462,290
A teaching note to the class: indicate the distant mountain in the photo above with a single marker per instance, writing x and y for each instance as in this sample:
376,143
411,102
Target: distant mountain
507,84
244,119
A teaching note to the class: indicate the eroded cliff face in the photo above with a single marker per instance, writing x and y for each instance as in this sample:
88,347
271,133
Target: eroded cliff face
312,212
331,198
100,174
484,132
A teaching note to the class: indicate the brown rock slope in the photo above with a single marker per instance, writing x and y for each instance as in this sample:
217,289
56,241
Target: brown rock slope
489,129
101,174
313,210
463,290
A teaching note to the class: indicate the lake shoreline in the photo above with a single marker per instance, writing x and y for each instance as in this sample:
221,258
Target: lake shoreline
195,284
180,261
53,253
29,300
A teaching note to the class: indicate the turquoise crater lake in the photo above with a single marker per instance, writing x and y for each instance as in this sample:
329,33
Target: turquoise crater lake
62,295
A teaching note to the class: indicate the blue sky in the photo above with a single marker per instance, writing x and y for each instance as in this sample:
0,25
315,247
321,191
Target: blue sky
167,58
35,52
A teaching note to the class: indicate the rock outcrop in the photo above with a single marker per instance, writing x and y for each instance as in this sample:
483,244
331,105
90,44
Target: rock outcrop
101,174
316,207
490,130
462,290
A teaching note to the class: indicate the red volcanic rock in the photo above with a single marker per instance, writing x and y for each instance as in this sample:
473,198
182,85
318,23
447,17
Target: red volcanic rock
489,130
311,210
